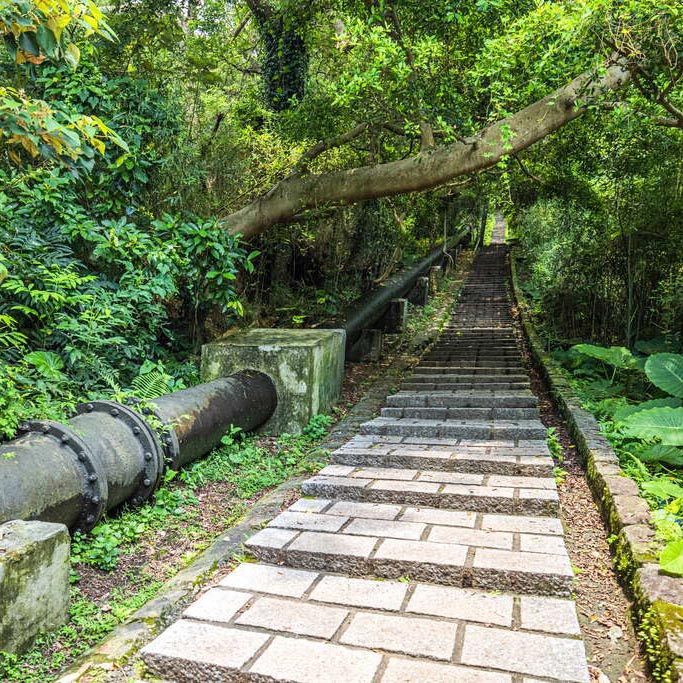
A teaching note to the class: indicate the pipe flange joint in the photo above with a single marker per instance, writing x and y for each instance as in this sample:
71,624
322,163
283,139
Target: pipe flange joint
165,433
152,469
95,488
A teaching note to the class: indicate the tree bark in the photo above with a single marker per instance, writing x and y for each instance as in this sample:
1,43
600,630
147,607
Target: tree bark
430,168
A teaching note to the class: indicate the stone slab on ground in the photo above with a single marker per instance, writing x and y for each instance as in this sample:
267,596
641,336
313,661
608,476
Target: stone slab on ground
34,581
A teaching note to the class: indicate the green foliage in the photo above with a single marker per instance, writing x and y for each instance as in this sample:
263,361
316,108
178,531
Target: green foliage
616,356
87,625
623,412
665,371
663,424
555,445
105,543
251,468
671,558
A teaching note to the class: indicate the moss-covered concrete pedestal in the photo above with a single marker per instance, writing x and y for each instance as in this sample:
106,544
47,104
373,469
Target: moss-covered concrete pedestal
34,581
307,367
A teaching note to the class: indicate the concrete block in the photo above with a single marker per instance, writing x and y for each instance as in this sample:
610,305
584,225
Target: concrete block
307,367
395,318
34,581
369,347
419,294
435,275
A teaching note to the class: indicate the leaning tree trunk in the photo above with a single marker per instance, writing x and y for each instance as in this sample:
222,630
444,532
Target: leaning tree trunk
430,168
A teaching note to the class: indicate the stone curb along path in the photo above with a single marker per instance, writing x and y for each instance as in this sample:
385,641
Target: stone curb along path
658,608
430,550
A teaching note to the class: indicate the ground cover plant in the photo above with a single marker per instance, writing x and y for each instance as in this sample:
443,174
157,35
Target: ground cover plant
637,398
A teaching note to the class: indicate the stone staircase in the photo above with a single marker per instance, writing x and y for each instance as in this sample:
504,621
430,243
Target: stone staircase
430,550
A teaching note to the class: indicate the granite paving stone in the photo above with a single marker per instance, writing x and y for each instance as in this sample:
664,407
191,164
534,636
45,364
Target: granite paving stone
462,603
421,637
307,661
526,653
217,605
373,594
305,619
420,671
266,578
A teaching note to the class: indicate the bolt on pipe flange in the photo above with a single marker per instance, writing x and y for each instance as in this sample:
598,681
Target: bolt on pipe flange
95,489
153,455
165,432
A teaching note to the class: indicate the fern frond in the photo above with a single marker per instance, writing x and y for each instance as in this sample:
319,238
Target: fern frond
150,385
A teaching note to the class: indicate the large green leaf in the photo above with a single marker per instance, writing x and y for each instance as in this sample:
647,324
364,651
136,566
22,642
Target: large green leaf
665,370
671,559
47,363
663,488
664,424
617,356
620,414
670,455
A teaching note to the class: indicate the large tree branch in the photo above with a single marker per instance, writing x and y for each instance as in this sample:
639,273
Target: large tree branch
430,168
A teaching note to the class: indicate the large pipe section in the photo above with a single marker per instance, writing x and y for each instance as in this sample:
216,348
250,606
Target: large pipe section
365,314
109,453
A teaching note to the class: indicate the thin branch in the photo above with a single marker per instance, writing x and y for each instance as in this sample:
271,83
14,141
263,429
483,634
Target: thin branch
330,143
526,171
669,123
241,26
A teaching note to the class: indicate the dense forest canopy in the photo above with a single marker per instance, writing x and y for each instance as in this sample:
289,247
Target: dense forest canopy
140,138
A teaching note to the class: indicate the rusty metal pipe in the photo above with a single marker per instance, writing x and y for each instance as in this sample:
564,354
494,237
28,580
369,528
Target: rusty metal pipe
198,417
367,311
109,454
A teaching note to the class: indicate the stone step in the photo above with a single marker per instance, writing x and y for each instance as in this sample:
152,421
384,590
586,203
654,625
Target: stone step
510,363
483,343
446,376
271,623
450,564
504,532
439,489
478,414
481,359
463,399
462,429
513,461
438,368
430,373
463,386
531,446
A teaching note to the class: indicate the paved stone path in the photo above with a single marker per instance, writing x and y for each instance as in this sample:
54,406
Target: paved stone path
430,551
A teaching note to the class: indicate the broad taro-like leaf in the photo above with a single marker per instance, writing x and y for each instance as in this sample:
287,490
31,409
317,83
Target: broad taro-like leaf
616,356
671,559
669,455
621,413
665,370
663,424
663,488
